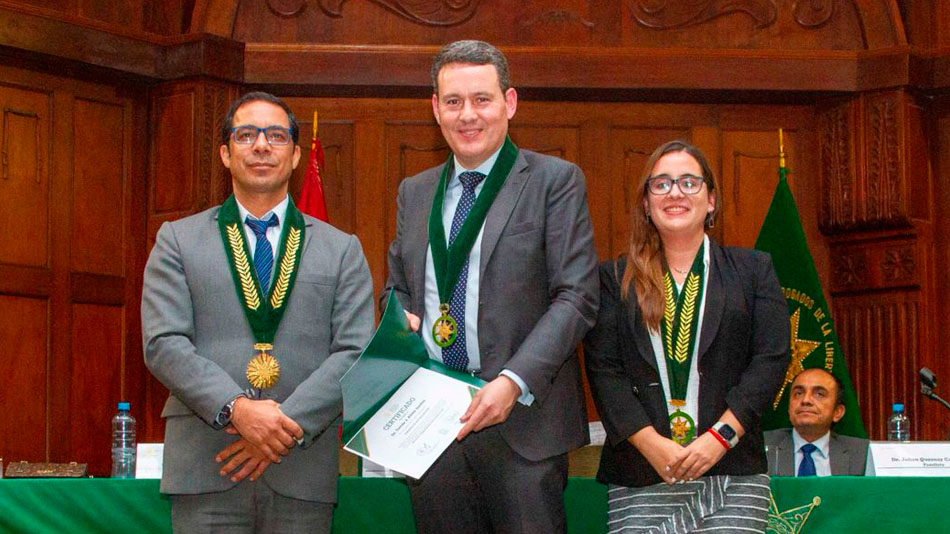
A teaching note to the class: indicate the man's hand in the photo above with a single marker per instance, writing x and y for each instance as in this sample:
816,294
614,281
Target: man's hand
662,452
491,405
703,453
266,427
414,321
241,454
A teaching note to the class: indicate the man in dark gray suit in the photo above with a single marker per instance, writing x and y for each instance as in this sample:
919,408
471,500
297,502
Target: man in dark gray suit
494,262
251,312
810,448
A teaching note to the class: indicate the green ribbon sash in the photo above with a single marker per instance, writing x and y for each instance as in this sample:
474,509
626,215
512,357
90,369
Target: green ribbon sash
263,312
448,260
678,330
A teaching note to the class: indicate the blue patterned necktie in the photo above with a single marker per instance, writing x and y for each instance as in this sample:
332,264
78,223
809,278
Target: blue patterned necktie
807,467
456,355
263,253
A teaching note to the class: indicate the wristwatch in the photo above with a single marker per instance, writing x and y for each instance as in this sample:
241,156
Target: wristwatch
727,433
224,416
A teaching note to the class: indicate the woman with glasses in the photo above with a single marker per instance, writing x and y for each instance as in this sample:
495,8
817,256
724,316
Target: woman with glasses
690,346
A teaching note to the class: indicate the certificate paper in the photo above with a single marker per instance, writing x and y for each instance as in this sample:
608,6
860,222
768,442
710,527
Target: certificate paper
416,425
401,409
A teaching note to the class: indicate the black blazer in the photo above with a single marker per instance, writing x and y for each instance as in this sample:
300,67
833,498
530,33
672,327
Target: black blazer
743,354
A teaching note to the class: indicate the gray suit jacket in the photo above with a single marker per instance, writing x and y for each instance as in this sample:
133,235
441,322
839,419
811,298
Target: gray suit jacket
198,342
538,291
847,455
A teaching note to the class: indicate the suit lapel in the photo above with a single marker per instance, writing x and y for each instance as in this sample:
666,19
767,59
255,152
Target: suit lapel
501,209
786,455
417,240
838,455
715,299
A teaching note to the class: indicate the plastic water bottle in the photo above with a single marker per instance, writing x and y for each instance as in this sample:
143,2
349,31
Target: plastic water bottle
123,443
898,425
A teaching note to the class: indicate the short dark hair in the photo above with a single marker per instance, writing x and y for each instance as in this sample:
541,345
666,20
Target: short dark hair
257,96
475,53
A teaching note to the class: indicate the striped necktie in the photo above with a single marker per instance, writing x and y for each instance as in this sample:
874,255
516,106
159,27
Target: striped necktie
263,253
456,355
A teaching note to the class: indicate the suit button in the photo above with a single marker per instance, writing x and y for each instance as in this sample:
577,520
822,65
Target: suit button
635,390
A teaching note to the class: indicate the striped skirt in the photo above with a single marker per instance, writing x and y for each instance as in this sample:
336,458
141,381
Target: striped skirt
710,504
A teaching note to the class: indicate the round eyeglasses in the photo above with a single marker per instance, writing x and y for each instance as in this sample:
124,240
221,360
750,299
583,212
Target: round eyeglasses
662,185
247,135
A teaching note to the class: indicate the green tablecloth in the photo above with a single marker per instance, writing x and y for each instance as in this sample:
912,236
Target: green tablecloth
848,504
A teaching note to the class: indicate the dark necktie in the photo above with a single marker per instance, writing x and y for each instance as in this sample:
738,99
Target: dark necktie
456,355
263,253
807,467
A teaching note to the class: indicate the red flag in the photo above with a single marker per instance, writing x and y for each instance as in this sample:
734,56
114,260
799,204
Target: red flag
311,195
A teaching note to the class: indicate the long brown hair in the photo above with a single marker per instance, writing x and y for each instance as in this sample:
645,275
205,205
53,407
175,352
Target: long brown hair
645,262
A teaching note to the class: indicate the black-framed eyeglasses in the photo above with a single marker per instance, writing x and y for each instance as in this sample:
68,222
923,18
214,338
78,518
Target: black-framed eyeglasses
247,134
663,184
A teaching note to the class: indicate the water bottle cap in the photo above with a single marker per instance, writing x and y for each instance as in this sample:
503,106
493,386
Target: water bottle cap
898,407
124,406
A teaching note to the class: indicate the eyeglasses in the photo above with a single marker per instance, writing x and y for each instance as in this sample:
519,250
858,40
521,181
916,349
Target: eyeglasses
662,185
247,135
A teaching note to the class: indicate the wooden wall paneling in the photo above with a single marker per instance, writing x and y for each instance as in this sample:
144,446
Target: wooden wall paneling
96,379
880,338
337,139
98,188
24,174
630,147
375,209
934,415
25,368
601,183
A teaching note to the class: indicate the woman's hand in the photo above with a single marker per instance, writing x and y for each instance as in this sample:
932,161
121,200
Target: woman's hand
703,453
662,453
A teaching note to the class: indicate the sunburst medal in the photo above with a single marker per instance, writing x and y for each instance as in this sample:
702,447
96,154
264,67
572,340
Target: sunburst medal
445,328
682,427
263,370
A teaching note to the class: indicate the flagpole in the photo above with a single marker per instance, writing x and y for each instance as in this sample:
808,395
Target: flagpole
782,171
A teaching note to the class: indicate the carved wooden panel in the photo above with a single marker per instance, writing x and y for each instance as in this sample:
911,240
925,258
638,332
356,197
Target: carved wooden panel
96,380
553,140
874,265
24,175
25,368
880,338
839,205
98,189
883,130
338,176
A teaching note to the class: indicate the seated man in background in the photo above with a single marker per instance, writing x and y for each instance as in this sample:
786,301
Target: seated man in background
810,448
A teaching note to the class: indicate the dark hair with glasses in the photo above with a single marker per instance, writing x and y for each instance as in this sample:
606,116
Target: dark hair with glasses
257,96
644,271
475,53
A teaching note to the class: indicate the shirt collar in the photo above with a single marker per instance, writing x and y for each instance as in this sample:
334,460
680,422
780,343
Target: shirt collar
822,443
484,168
280,210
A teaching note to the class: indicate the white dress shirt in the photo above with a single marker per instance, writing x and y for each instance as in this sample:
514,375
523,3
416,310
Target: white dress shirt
273,232
453,193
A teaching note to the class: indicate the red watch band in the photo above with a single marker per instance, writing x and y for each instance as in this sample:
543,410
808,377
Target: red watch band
719,438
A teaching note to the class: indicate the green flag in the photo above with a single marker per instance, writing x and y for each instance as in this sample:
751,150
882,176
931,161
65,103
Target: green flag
814,342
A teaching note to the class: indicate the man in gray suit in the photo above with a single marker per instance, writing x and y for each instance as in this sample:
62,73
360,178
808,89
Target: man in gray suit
251,312
494,262
810,448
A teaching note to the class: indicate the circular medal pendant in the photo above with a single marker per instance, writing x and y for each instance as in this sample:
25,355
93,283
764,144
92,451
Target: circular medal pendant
263,370
682,427
445,328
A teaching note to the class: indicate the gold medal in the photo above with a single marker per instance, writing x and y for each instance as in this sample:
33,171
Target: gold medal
682,427
445,328
263,370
